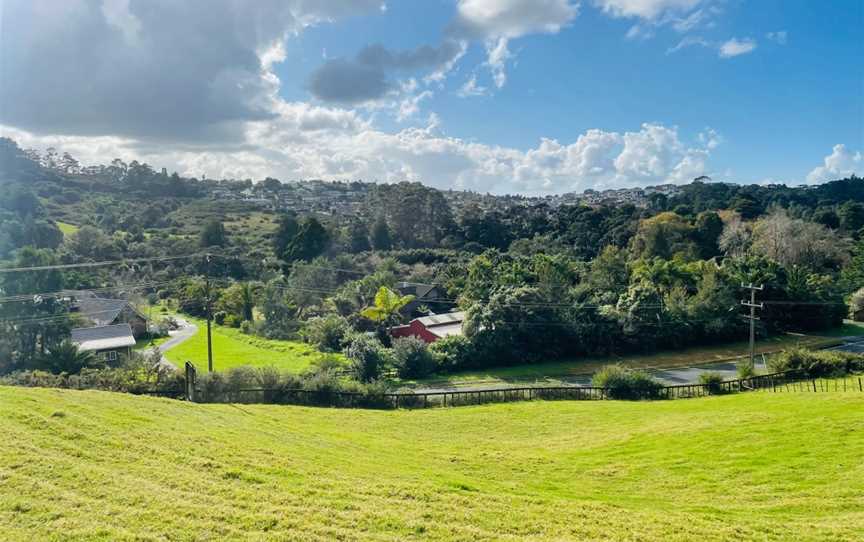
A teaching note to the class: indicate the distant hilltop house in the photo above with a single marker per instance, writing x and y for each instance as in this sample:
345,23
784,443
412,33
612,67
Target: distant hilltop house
431,328
106,341
108,312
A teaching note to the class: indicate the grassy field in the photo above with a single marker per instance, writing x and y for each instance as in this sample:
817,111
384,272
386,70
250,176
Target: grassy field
231,348
102,466
66,228
666,359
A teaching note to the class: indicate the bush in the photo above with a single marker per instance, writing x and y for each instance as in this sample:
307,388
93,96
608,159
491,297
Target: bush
219,317
326,333
412,358
745,369
856,306
452,353
712,381
139,373
232,320
623,383
367,357
814,364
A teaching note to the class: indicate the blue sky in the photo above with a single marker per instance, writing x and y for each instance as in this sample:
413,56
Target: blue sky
623,92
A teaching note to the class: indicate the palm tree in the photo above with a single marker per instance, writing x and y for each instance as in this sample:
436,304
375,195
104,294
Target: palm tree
385,311
247,301
66,358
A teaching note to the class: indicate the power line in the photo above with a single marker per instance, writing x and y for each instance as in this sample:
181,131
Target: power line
95,264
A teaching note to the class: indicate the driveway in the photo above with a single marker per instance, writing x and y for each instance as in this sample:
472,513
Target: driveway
177,336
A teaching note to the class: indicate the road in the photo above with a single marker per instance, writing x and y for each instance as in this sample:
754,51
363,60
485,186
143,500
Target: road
670,377
178,336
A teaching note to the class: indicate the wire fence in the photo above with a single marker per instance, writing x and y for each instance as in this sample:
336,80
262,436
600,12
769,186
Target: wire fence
770,383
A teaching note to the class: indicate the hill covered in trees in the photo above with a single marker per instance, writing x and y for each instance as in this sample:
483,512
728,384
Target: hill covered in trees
539,279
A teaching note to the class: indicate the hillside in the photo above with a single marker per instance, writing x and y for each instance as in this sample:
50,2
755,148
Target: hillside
102,466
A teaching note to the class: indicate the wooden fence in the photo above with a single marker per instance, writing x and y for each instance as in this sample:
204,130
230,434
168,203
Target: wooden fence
776,382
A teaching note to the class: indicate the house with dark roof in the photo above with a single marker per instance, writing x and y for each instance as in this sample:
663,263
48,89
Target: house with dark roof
431,328
106,312
428,295
107,341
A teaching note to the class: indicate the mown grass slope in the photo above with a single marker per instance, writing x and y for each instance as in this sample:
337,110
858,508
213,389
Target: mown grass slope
103,466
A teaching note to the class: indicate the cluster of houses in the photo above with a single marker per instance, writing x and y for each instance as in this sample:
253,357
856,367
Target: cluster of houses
327,198
113,327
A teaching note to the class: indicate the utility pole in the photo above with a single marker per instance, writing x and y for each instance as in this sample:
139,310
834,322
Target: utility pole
753,306
209,315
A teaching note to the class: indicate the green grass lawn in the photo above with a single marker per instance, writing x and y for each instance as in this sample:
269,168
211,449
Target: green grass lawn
66,228
87,465
666,359
231,348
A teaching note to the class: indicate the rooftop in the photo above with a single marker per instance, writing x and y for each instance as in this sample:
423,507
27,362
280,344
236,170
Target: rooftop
103,337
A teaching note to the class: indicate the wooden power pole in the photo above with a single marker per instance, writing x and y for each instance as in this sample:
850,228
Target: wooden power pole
753,306
209,316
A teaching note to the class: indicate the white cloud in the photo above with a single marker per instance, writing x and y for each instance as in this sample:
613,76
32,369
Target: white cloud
514,18
735,47
308,142
689,41
497,22
646,9
839,164
471,88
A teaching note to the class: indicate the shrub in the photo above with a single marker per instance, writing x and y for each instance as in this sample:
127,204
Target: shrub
623,383
326,333
745,369
367,357
712,382
219,317
412,358
814,364
232,320
452,353
856,305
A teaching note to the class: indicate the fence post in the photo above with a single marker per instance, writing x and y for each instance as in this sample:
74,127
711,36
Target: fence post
190,382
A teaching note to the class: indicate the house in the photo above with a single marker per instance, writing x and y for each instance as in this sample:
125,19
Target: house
431,328
429,295
106,341
105,312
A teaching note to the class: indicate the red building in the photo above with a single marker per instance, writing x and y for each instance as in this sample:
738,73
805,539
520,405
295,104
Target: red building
431,328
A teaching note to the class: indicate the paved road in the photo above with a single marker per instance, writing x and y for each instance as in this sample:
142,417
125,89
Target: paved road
671,377
178,336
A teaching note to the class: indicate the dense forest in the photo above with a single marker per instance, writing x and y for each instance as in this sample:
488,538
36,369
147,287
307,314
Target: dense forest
537,281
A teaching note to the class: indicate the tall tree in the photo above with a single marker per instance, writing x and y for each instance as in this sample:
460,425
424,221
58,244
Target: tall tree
381,239
213,234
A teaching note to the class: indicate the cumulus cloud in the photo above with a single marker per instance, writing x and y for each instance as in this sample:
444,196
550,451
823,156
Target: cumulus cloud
166,70
364,78
497,22
337,145
839,164
145,83
735,47
646,9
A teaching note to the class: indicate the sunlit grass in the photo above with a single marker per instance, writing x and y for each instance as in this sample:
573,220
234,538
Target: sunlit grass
102,466
67,229
232,348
